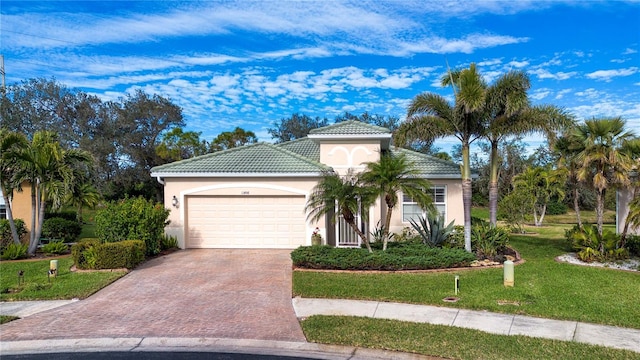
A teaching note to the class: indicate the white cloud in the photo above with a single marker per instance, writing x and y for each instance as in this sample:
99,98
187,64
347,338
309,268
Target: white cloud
628,51
607,75
545,74
562,93
540,94
518,64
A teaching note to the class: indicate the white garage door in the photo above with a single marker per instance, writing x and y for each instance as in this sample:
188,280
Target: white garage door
245,221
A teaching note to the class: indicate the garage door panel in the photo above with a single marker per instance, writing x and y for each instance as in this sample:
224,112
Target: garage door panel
246,222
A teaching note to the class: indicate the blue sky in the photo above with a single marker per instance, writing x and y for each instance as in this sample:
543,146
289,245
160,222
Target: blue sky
249,64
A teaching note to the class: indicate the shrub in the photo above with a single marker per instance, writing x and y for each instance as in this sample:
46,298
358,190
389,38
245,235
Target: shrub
61,229
489,241
81,258
590,246
123,254
67,215
92,254
5,231
633,245
455,239
406,235
432,230
15,251
515,208
169,242
55,248
556,208
133,219
397,257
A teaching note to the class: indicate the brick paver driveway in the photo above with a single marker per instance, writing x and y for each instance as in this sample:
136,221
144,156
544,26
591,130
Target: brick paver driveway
242,294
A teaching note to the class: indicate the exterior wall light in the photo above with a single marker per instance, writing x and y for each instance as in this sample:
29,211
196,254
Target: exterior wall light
175,202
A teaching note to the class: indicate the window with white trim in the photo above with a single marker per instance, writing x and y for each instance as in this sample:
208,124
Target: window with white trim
411,209
3,211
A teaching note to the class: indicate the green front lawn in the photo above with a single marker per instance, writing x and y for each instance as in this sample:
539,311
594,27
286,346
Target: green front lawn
543,287
446,341
37,285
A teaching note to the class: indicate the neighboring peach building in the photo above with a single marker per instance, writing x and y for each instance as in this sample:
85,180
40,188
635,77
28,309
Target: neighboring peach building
20,205
254,196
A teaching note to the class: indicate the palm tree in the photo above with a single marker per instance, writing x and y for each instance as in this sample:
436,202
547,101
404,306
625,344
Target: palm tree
431,116
344,194
83,194
567,159
508,113
541,185
49,169
10,144
604,164
392,174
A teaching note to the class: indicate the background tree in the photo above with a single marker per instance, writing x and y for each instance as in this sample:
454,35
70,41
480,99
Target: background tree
540,185
177,145
430,116
341,196
393,174
599,143
231,139
143,119
295,127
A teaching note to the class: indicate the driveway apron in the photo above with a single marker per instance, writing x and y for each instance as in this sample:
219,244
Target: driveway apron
241,294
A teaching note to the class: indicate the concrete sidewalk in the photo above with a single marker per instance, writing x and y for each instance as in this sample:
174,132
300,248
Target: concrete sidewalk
496,323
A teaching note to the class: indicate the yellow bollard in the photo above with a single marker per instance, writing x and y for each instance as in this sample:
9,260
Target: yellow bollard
508,273
53,267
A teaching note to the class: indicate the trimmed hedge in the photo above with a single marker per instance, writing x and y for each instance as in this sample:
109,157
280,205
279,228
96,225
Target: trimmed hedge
67,215
408,257
92,254
61,229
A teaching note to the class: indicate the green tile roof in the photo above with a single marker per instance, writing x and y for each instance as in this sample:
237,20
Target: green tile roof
351,127
301,156
260,158
305,147
430,166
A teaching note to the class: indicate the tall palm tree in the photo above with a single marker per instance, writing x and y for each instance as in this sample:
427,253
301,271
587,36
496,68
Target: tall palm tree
604,164
10,145
392,174
509,113
83,194
49,169
341,196
431,116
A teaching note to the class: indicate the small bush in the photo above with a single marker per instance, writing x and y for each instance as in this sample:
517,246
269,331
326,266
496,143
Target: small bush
590,246
61,229
556,208
455,239
432,230
67,215
397,257
406,235
15,251
123,254
169,242
79,253
489,241
92,254
55,248
633,245
5,231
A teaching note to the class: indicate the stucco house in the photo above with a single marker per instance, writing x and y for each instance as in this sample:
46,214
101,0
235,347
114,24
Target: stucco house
20,205
254,196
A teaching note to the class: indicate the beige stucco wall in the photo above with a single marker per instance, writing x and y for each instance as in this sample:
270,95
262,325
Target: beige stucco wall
345,155
623,197
234,186
21,205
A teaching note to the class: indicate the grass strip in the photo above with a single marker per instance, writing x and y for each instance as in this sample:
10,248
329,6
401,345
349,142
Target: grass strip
36,285
543,287
446,341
